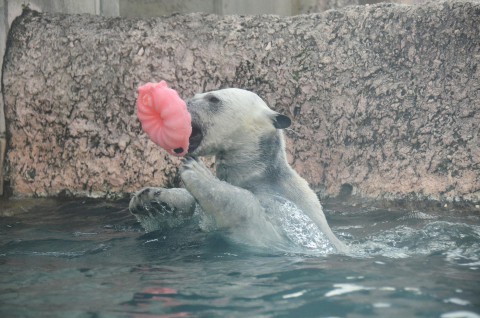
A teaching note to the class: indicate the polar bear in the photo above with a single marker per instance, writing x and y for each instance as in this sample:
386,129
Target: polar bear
255,196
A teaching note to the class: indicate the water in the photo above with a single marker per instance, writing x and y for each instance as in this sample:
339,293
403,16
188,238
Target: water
91,259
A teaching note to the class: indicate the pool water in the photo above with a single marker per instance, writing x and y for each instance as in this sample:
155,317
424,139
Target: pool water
91,259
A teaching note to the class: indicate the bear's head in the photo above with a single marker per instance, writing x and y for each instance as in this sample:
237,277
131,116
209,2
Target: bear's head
230,120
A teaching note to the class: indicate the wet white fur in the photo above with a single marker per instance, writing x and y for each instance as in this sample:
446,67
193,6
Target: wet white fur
253,179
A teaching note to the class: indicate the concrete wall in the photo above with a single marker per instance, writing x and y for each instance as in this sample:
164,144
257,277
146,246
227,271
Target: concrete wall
152,8
10,9
384,98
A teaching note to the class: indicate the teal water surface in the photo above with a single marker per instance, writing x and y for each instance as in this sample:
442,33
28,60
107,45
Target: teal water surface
91,259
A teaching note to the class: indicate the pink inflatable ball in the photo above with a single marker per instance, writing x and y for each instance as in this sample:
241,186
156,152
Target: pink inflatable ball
164,117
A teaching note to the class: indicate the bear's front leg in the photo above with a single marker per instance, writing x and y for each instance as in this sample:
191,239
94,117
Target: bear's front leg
231,207
159,208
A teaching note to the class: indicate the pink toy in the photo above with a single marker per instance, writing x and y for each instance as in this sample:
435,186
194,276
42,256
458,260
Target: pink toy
164,117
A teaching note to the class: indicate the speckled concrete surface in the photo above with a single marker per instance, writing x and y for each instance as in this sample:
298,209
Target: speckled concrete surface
384,98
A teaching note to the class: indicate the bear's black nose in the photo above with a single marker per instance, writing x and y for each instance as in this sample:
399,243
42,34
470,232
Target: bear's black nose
178,150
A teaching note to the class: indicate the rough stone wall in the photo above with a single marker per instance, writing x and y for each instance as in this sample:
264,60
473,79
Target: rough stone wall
324,5
384,98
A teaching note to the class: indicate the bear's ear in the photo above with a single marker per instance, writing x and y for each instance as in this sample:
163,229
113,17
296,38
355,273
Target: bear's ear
281,121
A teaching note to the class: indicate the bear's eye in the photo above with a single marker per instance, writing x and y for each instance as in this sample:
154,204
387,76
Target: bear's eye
213,99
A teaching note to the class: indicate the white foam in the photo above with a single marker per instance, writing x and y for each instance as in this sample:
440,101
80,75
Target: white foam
445,238
205,221
342,289
294,295
301,230
457,301
460,314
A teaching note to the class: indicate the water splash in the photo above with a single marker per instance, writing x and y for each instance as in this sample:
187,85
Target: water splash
458,242
301,230
205,221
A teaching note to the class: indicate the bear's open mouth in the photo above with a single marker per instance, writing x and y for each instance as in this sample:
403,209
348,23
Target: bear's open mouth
195,138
